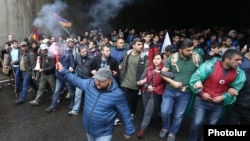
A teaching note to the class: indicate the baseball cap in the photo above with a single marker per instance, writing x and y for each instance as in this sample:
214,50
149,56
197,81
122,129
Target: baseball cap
232,31
45,41
44,46
103,74
23,43
69,40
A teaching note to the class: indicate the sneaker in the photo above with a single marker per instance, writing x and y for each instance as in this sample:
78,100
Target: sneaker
117,121
171,137
133,116
34,103
68,96
163,133
140,134
30,90
72,113
49,110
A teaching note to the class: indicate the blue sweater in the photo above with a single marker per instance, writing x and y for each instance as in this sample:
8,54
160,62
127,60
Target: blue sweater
118,54
101,106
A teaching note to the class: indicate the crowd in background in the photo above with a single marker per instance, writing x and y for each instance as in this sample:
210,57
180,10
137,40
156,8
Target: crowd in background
32,65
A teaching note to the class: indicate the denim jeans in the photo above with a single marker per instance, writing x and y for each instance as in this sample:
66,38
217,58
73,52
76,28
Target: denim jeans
26,84
78,100
204,110
101,138
173,102
59,85
18,78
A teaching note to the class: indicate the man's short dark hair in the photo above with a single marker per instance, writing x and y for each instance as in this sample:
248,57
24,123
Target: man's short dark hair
171,48
137,39
230,53
215,45
186,43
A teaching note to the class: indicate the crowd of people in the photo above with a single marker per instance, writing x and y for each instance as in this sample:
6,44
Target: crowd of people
203,73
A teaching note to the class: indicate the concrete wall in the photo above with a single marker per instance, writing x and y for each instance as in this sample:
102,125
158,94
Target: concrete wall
16,17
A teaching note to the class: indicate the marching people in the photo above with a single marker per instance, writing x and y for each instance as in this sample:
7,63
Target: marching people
118,50
47,74
13,64
103,99
104,60
239,113
133,65
152,90
26,64
214,51
35,51
211,82
65,56
177,94
92,48
4,57
169,49
83,65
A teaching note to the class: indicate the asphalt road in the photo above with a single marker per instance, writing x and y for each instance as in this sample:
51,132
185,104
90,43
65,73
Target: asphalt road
31,123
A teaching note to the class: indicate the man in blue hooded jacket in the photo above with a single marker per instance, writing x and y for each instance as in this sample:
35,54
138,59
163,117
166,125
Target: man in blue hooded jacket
103,99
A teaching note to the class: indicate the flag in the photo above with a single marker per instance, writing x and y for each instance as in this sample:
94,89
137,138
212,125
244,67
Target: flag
166,42
35,34
62,21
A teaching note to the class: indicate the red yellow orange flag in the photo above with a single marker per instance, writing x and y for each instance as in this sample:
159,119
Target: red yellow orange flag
35,34
62,21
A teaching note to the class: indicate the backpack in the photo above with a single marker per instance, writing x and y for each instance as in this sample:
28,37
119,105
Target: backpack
195,56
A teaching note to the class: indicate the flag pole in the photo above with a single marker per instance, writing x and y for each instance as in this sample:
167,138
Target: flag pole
31,33
66,31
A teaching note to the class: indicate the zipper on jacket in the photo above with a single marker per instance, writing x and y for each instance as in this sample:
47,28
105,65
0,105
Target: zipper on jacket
93,109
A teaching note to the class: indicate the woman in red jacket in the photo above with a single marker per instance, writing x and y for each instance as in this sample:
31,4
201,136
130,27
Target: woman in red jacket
152,90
